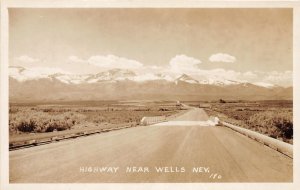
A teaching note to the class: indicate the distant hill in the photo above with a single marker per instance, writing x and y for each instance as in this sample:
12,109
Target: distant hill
120,84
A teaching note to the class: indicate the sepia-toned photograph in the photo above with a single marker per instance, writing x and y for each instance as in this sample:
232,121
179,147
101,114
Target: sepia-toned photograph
150,95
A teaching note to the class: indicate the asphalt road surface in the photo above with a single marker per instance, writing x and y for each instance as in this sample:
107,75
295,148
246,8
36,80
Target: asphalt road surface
161,153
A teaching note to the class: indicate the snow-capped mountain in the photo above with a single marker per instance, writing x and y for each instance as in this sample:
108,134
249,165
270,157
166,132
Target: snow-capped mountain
106,76
111,75
264,84
70,78
220,82
186,78
217,81
22,74
55,84
164,77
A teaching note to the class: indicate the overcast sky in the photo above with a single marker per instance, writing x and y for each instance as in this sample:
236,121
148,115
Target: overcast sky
245,44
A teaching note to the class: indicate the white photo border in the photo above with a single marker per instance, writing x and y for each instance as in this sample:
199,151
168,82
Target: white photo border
4,89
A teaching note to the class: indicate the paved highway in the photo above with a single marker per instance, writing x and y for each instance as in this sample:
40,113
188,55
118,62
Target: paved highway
161,153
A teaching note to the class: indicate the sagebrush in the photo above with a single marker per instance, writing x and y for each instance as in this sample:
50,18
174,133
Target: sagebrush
38,121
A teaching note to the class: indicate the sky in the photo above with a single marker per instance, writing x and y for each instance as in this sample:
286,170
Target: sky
238,44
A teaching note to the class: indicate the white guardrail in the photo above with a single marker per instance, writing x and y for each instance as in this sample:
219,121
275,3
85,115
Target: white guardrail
152,120
278,145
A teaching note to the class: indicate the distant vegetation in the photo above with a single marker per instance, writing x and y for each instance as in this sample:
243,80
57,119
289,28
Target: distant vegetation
222,101
45,118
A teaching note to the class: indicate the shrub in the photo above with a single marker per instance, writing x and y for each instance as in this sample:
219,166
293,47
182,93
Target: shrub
276,123
26,126
286,127
13,110
222,101
39,121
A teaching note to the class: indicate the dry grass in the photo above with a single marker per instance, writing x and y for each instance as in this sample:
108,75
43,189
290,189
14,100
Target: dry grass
37,121
40,119
274,119
277,124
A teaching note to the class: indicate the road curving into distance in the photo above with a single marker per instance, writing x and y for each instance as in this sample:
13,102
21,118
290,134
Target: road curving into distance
158,153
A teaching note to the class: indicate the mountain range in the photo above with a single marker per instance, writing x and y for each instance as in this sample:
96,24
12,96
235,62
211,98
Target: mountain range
120,84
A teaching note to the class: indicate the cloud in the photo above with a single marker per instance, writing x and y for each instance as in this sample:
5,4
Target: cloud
26,59
75,59
218,74
22,74
249,75
107,62
188,65
150,69
222,57
284,78
183,63
279,77
145,77
179,64
112,61
43,71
